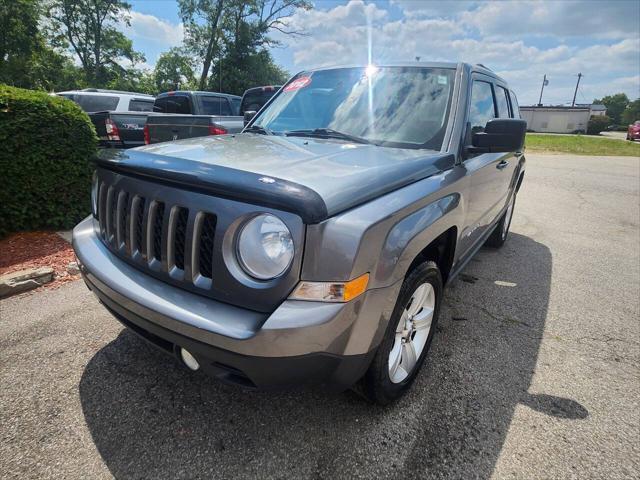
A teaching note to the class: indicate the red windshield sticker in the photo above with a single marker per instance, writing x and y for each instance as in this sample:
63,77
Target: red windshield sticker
297,84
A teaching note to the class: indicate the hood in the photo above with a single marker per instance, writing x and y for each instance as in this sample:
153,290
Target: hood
314,178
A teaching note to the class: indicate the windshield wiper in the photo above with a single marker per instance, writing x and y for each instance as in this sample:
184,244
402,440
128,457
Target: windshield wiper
259,129
326,133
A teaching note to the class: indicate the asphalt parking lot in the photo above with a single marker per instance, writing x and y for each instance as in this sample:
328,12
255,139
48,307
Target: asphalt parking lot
534,372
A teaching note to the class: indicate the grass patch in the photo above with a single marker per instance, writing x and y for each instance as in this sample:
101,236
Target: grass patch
581,145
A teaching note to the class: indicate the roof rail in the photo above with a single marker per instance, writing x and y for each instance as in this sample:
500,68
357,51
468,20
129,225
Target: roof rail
103,90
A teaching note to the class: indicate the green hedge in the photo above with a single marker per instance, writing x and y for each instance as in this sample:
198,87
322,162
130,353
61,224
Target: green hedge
46,147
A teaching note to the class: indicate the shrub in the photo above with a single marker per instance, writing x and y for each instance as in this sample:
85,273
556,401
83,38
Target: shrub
47,144
597,123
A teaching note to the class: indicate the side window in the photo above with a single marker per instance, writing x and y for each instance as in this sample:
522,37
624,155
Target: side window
215,106
235,104
514,105
138,105
482,107
96,103
172,104
502,99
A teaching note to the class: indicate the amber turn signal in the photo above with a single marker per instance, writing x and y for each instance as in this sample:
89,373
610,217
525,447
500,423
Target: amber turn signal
331,291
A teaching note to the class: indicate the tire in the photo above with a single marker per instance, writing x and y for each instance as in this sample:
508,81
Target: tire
379,384
501,231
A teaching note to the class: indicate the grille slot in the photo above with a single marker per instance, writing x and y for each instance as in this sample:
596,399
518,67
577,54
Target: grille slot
205,251
112,214
158,219
121,225
138,224
180,236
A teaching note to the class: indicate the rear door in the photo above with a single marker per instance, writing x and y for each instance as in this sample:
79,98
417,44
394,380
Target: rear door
490,172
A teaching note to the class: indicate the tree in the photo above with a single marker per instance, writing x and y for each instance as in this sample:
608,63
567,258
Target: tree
202,34
233,29
631,113
597,123
174,70
89,27
26,60
615,104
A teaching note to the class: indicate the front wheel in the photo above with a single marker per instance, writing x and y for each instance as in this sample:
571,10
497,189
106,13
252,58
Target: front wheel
408,336
501,231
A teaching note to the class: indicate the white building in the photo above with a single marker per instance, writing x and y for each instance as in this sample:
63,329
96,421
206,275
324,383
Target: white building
556,119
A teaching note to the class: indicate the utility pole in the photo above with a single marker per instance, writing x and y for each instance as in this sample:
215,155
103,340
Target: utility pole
545,82
576,92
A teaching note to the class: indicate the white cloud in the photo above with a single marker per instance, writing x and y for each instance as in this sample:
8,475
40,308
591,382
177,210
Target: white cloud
596,19
149,27
497,34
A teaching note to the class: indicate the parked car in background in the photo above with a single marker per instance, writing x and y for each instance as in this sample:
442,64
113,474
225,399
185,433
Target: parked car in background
98,100
254,99
188,114
313,248
118,117
120,129
633,132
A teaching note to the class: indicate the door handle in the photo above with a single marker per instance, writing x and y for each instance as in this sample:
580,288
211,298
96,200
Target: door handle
502,164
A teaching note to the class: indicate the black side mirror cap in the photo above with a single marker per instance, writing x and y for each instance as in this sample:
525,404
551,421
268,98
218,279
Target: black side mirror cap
500,135
248,115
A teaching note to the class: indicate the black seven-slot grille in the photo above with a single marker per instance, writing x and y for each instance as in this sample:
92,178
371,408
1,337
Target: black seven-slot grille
155,235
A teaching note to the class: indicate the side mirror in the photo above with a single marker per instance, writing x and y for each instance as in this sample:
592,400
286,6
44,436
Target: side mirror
248,115
500,135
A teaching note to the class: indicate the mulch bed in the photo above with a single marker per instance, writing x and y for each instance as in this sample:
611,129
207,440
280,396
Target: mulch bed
24,250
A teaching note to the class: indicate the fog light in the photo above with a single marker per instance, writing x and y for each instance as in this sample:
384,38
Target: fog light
189,360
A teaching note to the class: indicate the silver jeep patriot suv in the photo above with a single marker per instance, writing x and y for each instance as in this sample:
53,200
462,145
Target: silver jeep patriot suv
313,247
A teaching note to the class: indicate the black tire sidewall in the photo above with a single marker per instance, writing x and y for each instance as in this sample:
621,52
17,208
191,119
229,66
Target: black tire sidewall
378,384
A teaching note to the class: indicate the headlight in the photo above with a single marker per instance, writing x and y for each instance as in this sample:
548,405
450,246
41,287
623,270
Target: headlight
265,247
94,194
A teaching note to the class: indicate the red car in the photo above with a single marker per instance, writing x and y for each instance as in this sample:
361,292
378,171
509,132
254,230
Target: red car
633,133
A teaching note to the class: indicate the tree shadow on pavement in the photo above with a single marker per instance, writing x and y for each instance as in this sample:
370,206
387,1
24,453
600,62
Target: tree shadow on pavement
151,418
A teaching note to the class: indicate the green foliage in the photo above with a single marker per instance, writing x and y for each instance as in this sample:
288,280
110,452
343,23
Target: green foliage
615,104
89,29
236,33
580,145
174,71
597,123
631,113
47,144
26,60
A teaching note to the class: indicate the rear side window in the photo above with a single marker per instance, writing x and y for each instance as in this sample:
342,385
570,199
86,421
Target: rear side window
215,106
514,105
96,103
138,105
172,104
502,100
482,106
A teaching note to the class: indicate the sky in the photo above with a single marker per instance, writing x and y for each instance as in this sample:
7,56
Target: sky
520,40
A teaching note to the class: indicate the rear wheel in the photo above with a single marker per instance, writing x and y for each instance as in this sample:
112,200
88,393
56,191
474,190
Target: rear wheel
501,231
408,336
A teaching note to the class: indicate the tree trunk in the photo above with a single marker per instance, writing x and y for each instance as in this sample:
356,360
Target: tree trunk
210,46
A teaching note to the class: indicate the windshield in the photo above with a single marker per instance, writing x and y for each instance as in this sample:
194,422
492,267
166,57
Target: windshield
391,106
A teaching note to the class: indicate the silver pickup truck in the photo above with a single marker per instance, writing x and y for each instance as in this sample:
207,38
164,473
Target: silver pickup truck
314,247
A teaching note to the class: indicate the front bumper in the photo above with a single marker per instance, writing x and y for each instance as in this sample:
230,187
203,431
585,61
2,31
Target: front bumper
299,343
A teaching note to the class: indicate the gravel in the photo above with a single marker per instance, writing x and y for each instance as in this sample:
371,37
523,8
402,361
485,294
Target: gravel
534,372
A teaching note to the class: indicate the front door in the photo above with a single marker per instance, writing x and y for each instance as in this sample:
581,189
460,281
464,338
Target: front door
490,173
